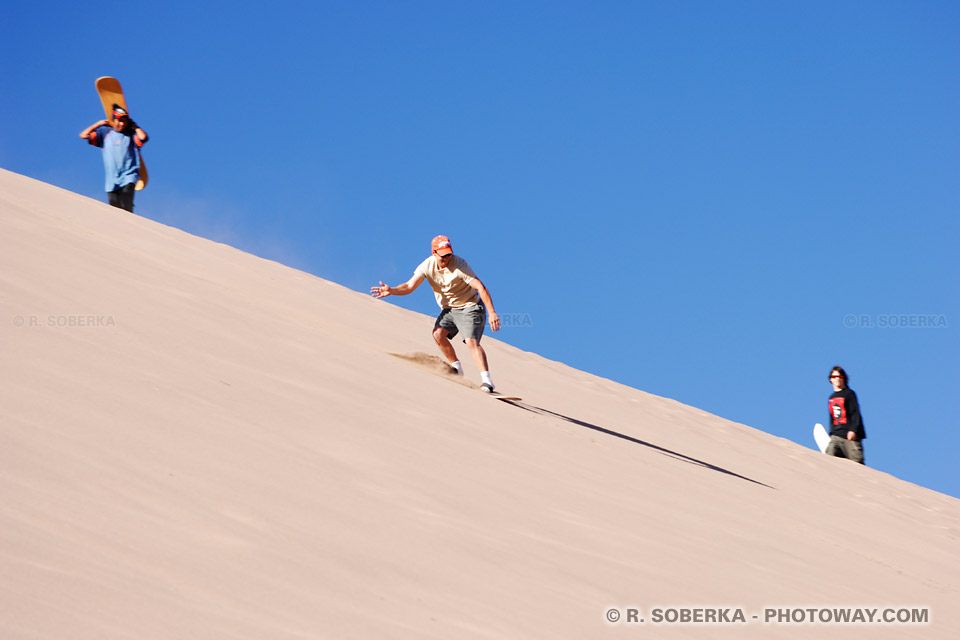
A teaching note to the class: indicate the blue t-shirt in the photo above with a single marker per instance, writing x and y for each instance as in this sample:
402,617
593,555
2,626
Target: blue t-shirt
121,161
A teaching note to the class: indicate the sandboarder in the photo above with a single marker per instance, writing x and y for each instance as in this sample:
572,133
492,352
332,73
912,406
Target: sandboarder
846,423
464,301
121,160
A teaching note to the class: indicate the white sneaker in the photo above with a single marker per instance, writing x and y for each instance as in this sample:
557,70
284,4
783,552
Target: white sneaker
486,388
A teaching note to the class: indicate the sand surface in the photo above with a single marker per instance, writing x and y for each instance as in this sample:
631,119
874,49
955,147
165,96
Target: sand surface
199,443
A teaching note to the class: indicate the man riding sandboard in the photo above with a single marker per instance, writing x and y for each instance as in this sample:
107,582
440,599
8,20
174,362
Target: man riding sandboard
464,302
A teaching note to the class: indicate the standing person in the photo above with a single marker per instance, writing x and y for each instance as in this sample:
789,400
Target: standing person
464,303
846,431
121,160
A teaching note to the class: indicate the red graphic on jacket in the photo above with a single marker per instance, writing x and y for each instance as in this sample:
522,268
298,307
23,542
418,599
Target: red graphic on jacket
838,410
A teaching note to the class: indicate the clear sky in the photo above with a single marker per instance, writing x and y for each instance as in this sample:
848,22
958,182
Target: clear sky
710,201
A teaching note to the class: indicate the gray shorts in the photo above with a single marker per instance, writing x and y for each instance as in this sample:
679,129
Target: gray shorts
469,321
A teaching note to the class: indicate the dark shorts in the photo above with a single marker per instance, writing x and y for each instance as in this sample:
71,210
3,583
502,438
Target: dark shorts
469,321
122,196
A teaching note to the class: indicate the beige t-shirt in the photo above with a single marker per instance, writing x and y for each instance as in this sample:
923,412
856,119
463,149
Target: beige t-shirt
450,285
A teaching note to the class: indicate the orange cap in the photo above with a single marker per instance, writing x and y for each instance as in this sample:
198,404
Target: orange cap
441,244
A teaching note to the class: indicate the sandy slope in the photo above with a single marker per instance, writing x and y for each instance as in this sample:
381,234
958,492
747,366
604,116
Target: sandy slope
198,443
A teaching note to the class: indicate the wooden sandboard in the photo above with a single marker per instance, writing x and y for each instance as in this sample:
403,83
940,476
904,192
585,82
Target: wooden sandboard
500,396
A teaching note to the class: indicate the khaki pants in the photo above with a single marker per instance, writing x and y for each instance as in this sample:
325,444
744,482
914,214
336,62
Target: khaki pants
843,448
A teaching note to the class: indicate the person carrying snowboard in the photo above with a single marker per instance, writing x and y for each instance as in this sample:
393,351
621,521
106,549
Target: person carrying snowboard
464,301
846,423
121,160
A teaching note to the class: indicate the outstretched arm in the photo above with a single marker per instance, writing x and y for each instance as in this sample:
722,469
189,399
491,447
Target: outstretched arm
487,302
400,290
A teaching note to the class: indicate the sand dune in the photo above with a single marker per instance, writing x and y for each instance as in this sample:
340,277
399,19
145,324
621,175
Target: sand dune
199,443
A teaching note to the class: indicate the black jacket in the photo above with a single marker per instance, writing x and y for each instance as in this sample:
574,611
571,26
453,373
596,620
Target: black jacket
845,414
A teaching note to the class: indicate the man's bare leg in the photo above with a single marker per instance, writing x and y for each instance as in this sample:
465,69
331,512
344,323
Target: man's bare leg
480,357
446,348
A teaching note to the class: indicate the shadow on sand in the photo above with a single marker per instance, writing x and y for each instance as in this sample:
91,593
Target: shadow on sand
610,432
436,365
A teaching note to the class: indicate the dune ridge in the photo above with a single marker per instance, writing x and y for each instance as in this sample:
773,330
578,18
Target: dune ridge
200,443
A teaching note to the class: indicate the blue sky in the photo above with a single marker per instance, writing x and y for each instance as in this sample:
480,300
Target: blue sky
710,201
